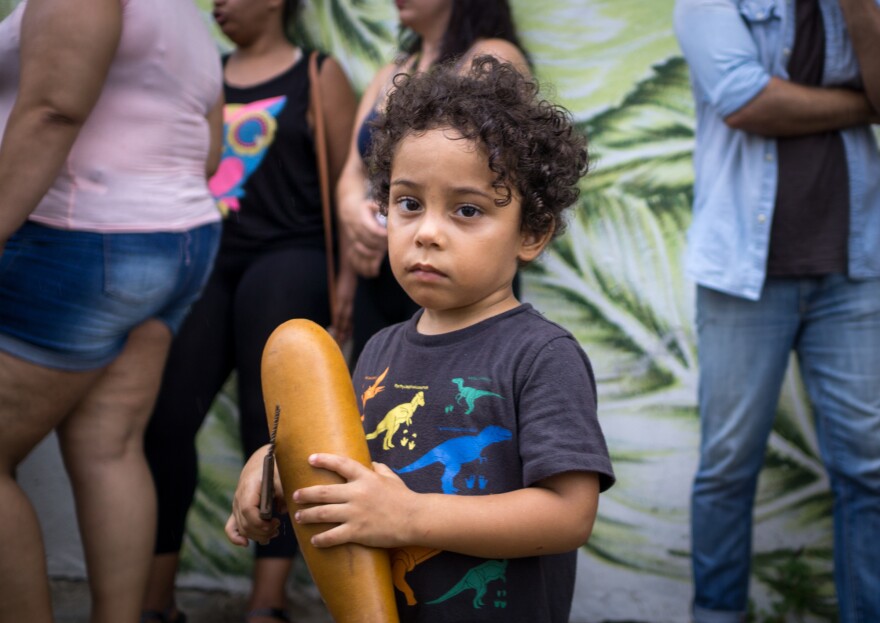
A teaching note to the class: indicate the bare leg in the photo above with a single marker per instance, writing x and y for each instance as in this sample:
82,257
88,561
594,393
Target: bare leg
102,445
33,400
269,586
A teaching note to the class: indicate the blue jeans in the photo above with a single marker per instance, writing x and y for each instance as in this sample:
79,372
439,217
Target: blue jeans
833,325
68,299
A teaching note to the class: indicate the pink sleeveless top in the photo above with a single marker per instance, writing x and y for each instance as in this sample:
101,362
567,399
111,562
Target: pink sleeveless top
138,164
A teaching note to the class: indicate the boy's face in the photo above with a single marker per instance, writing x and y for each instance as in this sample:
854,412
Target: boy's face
451,248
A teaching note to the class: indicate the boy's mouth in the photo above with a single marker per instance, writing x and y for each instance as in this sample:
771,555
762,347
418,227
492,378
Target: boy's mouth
425,269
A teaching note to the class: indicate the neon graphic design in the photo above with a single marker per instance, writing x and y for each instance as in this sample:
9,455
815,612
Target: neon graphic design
248,131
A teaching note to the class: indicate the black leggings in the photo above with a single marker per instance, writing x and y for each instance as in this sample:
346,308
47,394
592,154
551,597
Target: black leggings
246,298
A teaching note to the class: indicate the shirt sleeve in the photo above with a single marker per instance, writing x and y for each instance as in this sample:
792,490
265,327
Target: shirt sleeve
558,427
720,50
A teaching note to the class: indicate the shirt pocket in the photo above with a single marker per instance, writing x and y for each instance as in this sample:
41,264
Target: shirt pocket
764,20
759,12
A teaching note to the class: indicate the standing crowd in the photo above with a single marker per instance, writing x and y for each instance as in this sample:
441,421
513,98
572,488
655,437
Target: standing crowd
164,209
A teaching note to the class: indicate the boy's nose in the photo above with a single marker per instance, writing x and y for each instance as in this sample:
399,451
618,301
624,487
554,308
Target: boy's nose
430,230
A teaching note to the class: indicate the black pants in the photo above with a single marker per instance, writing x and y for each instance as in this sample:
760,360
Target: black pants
246,298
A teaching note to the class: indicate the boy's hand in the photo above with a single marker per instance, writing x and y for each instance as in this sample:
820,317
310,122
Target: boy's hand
244,523
372,507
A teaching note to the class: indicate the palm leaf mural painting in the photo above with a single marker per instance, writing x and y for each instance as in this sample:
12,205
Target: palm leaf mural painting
615,279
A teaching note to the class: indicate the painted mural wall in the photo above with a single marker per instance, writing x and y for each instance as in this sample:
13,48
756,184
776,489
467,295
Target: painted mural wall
615,280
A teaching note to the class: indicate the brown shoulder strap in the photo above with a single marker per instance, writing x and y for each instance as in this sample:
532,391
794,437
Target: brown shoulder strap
323,175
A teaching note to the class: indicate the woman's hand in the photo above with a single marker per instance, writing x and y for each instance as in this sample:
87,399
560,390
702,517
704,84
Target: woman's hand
366,236
370,508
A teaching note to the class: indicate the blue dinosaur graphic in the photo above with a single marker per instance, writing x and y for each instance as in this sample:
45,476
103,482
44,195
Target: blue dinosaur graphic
470,395
453,453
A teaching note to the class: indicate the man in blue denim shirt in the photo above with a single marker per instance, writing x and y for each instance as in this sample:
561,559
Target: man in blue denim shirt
785,249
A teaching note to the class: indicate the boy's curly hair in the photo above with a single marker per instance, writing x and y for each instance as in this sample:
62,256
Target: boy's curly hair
531,143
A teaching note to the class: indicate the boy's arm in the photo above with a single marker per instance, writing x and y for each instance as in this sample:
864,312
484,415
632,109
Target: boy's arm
376,508
244,522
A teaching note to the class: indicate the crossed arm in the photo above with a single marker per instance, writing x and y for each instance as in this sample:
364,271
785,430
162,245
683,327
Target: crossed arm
375,508
724,60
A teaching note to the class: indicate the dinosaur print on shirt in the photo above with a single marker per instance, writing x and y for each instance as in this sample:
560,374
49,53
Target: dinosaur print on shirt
401,414
470,394
452,454
477,580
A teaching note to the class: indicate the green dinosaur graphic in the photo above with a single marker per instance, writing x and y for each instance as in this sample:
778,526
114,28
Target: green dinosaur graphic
470,395
477,579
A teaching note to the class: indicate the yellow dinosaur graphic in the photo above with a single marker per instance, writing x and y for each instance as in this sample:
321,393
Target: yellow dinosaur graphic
401,414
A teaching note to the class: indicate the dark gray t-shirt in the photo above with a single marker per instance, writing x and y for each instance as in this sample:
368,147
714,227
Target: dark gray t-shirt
492,408
810,229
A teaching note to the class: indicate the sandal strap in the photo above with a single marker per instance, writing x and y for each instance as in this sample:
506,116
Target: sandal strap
274,613
162,616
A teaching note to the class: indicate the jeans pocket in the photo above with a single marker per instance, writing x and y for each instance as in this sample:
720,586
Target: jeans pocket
140,268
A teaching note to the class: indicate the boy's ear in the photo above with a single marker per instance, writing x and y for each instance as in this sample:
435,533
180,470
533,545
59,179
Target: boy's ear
533,244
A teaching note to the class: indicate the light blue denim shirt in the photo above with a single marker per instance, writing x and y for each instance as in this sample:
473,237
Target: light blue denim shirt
733,47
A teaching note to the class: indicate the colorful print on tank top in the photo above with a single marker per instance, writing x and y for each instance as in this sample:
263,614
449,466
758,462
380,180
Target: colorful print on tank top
248,131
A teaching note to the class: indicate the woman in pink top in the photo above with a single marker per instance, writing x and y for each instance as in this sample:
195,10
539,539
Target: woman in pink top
110,117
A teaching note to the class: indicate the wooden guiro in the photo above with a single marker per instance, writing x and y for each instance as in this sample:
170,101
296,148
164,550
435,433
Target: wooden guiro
304,375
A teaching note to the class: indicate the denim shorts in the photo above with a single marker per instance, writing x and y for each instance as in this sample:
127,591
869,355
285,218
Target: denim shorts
68,299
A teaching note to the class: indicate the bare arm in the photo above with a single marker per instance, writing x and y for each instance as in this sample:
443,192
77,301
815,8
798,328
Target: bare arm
215,126
67,47
365,238
376,508
339,103
863,24
784,108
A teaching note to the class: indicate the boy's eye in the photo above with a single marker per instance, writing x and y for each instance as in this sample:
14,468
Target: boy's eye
468,211
408,204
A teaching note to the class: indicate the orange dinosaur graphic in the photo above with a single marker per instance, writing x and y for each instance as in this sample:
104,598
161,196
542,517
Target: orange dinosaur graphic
404,560
373,389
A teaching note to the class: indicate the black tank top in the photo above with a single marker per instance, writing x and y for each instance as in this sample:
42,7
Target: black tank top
268,183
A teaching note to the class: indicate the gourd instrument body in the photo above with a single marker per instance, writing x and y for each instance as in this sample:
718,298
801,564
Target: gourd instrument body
305,376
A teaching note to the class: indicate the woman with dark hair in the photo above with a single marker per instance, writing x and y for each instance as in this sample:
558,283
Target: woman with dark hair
433,31
271,267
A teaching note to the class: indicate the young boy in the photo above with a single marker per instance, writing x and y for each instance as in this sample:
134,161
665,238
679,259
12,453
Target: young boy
480,413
